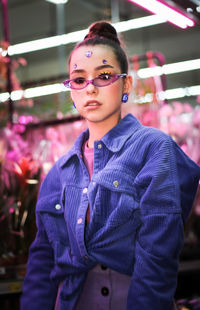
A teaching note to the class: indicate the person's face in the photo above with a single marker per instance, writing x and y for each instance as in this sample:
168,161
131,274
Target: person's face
97,104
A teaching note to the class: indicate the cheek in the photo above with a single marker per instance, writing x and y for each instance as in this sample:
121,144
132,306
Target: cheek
75,96
115,90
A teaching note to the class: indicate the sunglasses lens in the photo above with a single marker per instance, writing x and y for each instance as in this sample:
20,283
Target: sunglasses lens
78,83
105,79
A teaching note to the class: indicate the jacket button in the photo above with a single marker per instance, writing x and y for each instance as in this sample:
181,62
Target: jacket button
85,190
115,183
99,146
58,207
80,220
104,291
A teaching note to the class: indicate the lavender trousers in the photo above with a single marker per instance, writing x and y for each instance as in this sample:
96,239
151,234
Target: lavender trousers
104,289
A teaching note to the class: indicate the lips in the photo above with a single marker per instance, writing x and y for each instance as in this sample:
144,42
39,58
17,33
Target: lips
92,103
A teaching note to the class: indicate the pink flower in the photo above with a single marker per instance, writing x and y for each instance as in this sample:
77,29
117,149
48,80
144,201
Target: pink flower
25,119
166,111
178,107
178,128
196,118
187,108
22,61
150,118
198,98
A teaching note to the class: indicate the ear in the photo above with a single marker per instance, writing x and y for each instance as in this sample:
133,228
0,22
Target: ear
128,83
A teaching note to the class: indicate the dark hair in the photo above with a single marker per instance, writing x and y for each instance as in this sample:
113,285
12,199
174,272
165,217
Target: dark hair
105,34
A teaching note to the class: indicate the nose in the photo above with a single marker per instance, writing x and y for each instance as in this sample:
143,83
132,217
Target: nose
91,88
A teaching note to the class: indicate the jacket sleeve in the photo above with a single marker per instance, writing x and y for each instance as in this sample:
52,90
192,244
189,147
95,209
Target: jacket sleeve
161,183
39,291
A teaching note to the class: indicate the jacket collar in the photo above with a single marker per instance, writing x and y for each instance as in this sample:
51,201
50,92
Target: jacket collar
113,140
117,136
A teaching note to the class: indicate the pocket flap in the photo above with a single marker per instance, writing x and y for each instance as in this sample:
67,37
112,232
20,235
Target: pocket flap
51,204
116,180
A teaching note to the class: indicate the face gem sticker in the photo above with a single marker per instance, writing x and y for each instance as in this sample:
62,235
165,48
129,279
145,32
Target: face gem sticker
75,66
88,54
104,61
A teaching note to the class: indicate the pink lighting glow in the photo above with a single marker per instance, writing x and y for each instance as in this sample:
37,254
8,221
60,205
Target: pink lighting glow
168,13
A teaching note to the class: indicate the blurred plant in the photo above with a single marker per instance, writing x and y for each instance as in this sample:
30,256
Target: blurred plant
188,304
182,122
3,66
15,63
25,159
19,183
15,83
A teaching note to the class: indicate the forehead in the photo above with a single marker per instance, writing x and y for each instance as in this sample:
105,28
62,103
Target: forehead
98,54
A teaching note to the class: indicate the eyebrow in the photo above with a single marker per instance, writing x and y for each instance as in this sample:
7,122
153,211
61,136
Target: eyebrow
96,69
103,67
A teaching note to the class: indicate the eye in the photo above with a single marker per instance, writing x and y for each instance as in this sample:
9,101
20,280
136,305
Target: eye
105,76
79,80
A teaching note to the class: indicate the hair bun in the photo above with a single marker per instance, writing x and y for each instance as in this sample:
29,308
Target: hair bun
103,29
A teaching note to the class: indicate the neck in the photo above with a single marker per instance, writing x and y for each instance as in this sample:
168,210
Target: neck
98,130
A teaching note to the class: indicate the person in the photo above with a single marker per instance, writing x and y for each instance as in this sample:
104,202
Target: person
111,212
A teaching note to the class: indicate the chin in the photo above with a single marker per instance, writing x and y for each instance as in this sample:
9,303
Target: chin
94,119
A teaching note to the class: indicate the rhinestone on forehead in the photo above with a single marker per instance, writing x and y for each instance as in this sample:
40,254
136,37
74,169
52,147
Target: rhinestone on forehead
88,54
104,61
75,66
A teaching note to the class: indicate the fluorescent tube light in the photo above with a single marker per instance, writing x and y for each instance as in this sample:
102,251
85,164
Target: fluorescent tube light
34,92
57,88
180,92
171,94
57,1
182,66
170,68
139,23
174,93
193,90
166,12
40,44
4,97
17,95
44,90
76,36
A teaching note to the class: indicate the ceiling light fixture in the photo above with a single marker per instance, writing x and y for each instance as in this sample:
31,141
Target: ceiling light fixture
33,92
57,1
73,37
176,67
50,42
166,11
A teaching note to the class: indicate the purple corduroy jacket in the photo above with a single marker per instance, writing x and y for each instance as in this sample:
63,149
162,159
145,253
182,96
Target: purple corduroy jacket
140,196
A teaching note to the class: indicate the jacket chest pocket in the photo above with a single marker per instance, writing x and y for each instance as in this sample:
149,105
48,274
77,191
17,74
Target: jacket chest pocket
116,197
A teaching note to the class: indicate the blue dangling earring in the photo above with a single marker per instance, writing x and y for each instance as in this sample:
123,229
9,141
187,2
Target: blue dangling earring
74,105
125,97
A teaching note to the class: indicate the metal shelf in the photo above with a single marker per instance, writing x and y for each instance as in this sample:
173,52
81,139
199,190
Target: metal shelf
10,286
188,266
